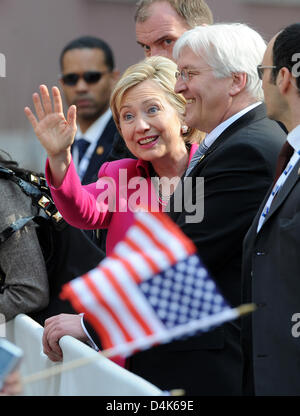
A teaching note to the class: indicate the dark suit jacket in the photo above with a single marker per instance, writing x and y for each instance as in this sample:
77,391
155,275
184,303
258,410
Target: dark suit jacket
238,170
271,278
104,144
119,149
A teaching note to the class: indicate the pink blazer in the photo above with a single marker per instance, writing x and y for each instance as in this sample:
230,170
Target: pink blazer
110,202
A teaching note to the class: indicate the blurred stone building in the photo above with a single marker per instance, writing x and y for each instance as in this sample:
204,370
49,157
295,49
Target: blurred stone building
33,33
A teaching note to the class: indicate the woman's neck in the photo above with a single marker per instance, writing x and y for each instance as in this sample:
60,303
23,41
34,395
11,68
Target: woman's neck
173,165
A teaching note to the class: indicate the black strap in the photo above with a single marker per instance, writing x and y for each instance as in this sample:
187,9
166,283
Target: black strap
15,226
4,235
36,188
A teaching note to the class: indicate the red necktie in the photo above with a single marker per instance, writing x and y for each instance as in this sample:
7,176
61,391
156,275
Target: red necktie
283,158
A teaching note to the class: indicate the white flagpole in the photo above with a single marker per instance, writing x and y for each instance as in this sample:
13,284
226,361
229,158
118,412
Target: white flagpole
206,322
180,330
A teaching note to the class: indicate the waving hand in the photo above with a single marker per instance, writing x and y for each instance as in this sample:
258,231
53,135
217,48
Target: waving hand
54,131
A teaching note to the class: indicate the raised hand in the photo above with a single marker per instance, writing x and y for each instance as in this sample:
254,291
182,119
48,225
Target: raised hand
54,131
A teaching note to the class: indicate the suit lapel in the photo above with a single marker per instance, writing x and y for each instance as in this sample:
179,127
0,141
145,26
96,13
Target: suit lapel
284,192
253,227
104,145
256,113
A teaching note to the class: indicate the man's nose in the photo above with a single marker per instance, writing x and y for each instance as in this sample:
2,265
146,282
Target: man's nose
180,85
81,85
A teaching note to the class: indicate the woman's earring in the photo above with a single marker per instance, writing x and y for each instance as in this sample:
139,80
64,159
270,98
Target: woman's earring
184,129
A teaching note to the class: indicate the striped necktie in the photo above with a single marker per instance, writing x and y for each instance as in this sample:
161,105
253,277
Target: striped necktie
82,146
202,149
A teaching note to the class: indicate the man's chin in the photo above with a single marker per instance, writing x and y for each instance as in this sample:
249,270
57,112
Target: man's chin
87,114
190,122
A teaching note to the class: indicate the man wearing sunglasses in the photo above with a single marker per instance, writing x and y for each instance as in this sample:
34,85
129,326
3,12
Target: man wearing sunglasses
87,79
271,260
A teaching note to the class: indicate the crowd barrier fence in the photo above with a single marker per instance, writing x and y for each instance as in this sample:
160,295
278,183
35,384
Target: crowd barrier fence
100,377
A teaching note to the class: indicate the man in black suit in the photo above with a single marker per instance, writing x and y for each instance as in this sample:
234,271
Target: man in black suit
271,260
87,78
224,98
218,77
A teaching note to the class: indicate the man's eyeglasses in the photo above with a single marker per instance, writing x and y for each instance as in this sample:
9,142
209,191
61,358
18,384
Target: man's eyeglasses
187,74
90,77
261,68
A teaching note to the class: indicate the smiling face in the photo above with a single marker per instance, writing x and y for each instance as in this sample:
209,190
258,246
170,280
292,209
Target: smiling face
208,98
158,33
150,125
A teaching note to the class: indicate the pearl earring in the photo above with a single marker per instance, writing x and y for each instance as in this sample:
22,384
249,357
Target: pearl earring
184,129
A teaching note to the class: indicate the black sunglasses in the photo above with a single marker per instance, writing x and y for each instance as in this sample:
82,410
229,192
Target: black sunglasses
90,77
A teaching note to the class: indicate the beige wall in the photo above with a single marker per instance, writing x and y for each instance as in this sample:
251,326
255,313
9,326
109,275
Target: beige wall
33,32
268,19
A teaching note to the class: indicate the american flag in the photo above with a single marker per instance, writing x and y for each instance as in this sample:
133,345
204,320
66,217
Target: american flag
152,289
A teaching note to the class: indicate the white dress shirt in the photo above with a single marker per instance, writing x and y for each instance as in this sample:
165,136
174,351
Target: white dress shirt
91,135
294,140
211,137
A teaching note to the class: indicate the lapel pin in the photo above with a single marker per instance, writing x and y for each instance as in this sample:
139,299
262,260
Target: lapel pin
100,150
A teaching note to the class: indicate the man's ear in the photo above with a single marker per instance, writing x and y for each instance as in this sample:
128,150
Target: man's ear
239,81
284,80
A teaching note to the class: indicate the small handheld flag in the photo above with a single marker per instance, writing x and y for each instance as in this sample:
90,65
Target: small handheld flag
152,289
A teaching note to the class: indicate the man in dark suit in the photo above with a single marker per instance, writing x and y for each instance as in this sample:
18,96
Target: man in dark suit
87,79
271,260
88,76
224,95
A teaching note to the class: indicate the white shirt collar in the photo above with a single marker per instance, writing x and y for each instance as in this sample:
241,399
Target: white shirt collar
95,130
294,138
217,131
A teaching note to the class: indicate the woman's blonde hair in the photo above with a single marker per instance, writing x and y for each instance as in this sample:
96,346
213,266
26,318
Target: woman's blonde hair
159,69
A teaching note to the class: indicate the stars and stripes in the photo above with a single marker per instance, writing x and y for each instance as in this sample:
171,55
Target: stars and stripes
151,289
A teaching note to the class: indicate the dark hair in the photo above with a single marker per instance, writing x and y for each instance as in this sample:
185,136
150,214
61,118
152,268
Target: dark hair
90,42
193,12
285,46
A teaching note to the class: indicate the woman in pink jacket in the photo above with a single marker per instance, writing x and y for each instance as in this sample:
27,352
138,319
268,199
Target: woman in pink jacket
149,116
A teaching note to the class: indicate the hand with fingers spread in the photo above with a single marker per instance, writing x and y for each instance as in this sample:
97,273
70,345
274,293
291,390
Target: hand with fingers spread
58,326
54,131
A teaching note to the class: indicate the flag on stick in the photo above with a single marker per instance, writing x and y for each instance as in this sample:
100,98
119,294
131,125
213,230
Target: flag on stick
152,289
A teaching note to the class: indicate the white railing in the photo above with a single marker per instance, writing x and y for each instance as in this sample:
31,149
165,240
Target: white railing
100,377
